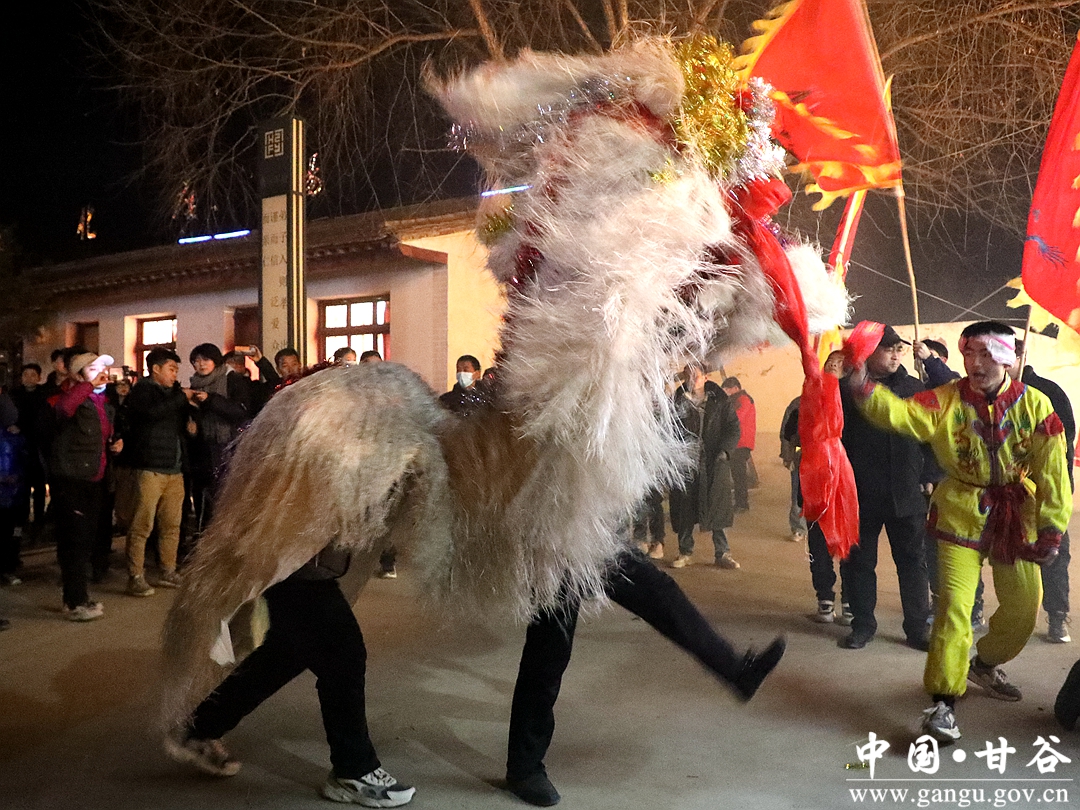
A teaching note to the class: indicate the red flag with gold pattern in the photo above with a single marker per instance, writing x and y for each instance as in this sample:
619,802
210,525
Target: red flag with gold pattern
1051,268
831,113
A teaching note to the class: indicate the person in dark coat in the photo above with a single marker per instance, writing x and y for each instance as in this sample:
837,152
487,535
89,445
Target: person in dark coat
468,392
77,463
221,406
156,414
889,471
30,397
13,457
709,421
260,390
1055,576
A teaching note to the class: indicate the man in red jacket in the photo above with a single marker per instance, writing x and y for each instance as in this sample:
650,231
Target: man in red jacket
740,459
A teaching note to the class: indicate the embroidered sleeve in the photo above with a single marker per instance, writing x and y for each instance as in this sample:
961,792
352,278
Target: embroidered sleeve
1050,472
916,417
1050,426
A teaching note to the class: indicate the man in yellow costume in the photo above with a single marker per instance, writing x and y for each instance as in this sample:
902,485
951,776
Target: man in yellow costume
1006,498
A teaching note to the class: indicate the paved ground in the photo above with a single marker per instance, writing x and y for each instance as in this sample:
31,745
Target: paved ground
640,724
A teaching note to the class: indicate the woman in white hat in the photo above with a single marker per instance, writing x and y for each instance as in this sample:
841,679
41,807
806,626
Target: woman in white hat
83,438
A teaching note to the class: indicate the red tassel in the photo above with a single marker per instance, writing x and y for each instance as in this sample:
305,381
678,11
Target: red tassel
828,483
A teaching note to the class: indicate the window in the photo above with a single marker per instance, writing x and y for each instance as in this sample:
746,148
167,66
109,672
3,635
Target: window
153,332
361,323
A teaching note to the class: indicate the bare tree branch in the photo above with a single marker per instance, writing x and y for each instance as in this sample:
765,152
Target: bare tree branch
973,93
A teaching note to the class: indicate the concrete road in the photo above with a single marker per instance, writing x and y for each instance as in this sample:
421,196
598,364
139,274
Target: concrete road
640,725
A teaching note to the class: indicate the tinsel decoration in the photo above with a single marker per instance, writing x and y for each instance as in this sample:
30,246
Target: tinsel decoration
85,229
711,120
496,225
313,184
550,117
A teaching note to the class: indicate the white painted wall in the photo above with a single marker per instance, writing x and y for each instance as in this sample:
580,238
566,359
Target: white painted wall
475,304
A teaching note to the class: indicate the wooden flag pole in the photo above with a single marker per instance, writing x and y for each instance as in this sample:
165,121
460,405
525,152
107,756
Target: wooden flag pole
1027,332
907,254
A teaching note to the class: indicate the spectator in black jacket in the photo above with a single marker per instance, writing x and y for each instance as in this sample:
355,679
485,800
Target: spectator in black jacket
260,390
221,406
30,398
888,476
77,461
467,393
156,414
1055,576
933,354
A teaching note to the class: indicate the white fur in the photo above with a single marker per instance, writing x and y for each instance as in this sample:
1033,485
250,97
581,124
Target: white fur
507,509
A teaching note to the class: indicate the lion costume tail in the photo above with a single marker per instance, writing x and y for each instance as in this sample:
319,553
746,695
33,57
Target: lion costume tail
337,457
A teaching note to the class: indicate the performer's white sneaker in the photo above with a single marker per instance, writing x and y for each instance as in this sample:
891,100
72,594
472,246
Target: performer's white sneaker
939,721
376,789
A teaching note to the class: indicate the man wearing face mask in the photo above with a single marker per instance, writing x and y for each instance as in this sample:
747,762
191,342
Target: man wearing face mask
466,393
79,452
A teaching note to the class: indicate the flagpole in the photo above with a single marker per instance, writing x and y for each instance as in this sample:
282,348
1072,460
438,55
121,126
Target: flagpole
1027,331
907,253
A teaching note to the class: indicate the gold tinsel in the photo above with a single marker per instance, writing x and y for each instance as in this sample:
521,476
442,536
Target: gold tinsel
496,224
710,120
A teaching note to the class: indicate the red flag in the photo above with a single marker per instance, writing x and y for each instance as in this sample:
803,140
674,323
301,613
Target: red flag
845,235
831,111
1051,268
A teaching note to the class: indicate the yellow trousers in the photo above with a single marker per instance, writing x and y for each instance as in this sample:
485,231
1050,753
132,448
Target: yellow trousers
1019,591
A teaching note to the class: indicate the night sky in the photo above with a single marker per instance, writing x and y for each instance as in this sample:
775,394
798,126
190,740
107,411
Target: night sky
65,142
69,142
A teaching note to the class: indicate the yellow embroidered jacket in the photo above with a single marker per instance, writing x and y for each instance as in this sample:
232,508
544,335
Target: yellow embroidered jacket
1007,487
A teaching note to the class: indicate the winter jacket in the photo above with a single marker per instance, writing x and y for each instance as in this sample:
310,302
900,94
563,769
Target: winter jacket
705,497
888,467
83,423
747,412
155,422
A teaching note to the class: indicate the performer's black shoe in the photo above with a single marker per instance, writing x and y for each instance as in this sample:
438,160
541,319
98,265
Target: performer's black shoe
1067,707
856,640
919,642
536,789
756,667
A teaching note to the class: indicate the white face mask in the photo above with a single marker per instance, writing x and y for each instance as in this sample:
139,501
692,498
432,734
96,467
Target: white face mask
465,378
99,389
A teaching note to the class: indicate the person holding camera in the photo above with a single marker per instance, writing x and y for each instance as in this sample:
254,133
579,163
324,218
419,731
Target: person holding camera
78,457
156,413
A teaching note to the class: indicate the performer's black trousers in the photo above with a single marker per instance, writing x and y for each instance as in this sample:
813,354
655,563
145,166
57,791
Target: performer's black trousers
311,627
860,577
640,587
